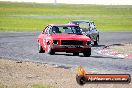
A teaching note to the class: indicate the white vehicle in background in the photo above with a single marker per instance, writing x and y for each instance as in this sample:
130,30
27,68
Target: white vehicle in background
89,29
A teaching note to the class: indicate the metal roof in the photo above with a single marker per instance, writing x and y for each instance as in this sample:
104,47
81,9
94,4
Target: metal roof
63,25
80,21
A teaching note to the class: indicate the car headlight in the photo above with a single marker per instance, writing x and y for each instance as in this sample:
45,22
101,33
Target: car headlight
88,42
55,41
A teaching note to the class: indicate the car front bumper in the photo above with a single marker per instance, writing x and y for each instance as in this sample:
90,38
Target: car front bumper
70,48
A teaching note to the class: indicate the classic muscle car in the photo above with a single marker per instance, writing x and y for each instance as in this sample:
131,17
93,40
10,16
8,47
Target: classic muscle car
89,28
64,38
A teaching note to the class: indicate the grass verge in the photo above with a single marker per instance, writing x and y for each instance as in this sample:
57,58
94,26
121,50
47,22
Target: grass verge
2,86
41,86
33,17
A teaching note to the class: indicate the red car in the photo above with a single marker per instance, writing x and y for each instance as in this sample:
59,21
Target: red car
64,38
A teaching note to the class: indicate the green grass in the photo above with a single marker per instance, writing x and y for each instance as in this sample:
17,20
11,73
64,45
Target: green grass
41,86
106,17
2,86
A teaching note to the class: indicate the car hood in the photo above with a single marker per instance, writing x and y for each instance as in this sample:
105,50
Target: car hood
69,37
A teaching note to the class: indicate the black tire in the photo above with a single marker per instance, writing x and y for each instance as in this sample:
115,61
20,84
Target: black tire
76,54
50,51
81,80
40,49
97,40
95,43
87,53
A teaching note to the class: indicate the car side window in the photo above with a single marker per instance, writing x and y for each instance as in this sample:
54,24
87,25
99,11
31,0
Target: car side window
46,30
50,29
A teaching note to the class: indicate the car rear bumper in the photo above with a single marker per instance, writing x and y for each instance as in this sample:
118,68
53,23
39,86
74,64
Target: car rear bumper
70,48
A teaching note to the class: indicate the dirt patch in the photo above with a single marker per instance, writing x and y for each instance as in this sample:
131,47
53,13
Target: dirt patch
122,48
117,51
18,74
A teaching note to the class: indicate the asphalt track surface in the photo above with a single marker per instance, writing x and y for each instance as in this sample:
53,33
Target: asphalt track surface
23,46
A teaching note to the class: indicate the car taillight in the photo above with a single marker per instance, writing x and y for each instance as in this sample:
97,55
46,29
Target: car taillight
55,42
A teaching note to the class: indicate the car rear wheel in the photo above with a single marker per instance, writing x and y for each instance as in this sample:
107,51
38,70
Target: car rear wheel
76,54
40,49
50,50
87,53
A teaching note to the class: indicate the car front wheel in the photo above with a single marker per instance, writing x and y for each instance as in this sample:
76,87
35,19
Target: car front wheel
87,53
40,49
76,54
50,50
97,40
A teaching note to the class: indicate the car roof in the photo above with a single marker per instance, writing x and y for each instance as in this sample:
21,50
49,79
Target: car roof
80,21
63,25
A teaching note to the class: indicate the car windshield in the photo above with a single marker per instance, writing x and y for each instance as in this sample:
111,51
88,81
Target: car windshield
66,29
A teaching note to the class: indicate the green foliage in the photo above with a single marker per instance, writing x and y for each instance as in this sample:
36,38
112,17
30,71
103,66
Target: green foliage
34,17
